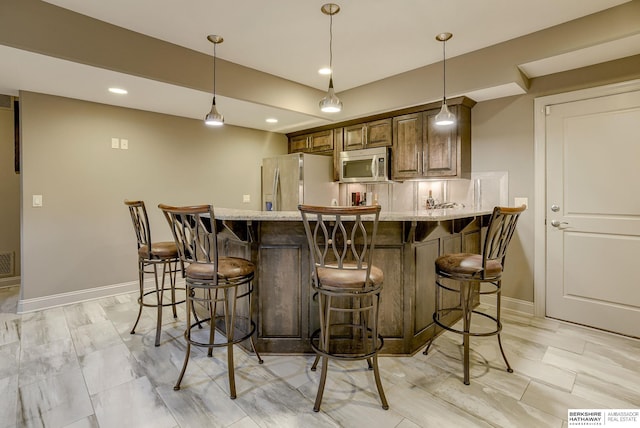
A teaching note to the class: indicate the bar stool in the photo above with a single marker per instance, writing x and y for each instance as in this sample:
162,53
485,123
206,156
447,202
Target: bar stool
212,281
348,287
150,255
465,274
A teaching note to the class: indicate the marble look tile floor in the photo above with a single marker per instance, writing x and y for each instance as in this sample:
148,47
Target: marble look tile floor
78,366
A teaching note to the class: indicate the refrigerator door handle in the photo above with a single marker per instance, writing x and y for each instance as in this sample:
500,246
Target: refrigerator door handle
276,179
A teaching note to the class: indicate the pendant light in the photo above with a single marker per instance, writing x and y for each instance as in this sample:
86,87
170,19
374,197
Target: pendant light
214,118
330,103
444,116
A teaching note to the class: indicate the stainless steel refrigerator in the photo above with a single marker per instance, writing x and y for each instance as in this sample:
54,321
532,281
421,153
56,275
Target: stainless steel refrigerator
297,178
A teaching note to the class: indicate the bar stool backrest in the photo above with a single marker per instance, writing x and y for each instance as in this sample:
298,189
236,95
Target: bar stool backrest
194,231
339,238
499,233
140,222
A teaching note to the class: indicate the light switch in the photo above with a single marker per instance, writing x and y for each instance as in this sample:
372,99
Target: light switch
246,199
37,200
124,144
115,143
518,202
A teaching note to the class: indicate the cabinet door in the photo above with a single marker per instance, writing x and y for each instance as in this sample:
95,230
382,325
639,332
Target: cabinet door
354,137
368,135
441,147
298,144
378,133
407,149
321,141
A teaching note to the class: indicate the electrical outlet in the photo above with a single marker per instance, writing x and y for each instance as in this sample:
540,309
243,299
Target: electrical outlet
124,144
115,143
423,202
246,199
518,202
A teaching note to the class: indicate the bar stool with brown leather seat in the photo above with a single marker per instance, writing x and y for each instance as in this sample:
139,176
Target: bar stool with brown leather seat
471,275
150,256
213,282
348,286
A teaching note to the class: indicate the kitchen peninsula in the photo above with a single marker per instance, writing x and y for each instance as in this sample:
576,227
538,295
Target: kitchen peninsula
407,244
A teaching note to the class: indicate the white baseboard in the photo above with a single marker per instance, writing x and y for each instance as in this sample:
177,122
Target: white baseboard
46,302
509,303
10,281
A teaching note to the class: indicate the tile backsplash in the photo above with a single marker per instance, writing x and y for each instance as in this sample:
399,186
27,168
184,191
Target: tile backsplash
484,191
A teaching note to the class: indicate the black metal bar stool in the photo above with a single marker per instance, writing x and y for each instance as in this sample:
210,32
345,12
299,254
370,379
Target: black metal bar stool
348,286
215,283
472,275
150,256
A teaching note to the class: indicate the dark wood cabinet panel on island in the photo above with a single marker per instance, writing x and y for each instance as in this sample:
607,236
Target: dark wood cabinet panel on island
407,246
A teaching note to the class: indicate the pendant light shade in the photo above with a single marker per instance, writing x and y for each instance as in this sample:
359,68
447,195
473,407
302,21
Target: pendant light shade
330,103
214,118
444,116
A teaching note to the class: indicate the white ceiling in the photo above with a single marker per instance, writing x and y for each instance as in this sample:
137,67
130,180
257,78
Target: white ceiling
372,39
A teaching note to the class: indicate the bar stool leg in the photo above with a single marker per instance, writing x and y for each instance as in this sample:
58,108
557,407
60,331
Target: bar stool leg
253,345
213,309
376,375
499,326
323,379
187,336
466,294
376,369
172,281
141,296
159,301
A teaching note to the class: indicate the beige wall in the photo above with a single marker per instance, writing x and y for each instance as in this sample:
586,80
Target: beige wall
9,195
82,237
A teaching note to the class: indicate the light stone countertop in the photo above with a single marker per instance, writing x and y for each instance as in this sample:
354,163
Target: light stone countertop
422,215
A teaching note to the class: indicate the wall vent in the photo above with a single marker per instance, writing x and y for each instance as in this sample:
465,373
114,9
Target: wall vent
7,266
6,102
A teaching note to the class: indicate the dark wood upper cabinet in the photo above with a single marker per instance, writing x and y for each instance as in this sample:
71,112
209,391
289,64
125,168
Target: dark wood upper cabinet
368,135
422,149
315,142
407,150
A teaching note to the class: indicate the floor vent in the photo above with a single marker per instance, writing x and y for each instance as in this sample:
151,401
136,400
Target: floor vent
6,264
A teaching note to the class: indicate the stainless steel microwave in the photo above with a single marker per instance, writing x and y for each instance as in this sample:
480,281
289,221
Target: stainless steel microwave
365,166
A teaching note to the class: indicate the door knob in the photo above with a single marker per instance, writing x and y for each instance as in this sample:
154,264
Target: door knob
557,223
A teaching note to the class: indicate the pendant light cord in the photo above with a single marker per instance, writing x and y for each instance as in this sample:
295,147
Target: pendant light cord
214,73
444,72
331,43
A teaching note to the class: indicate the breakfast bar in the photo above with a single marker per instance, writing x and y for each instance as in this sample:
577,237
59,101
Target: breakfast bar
407,245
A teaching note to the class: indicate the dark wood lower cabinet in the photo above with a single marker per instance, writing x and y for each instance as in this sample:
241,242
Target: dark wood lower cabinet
285,308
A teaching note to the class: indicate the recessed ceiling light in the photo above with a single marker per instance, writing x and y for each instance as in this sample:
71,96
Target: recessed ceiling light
324,71
271,120
119,91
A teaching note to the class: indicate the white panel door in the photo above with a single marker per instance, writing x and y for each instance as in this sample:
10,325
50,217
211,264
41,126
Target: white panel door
593,212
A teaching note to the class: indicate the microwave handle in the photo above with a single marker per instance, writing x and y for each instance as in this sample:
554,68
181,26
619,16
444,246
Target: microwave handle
374,166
